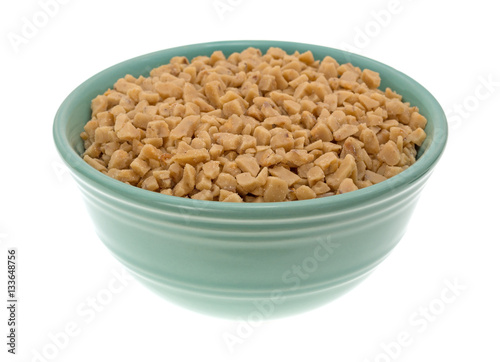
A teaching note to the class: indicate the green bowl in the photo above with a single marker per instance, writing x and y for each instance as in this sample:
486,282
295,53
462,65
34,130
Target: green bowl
248,260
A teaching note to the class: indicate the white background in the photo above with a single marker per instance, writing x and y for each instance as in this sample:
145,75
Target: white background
449,47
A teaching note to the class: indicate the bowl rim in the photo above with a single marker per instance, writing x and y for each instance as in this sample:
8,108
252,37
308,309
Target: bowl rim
81,170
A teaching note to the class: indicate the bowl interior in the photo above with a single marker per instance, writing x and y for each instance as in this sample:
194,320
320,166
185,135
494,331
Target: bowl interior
75,112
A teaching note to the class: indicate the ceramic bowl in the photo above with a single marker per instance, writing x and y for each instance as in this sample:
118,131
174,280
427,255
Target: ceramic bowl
248,260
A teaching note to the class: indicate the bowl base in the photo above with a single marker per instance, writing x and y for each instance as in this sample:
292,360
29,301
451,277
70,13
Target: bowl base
249,307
